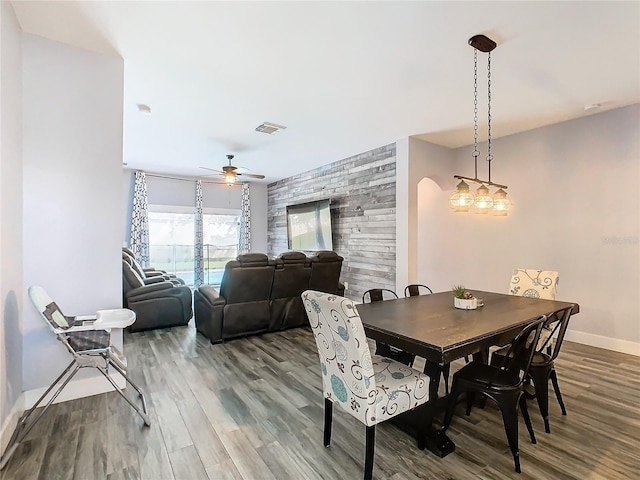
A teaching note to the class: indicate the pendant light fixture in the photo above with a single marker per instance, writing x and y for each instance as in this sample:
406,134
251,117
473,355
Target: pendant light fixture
482,202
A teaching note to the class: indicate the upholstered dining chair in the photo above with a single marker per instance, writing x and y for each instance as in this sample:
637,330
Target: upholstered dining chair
416,289
371,388
379,295
536,284
503,383
542,367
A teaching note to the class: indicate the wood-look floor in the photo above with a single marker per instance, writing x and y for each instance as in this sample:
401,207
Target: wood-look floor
252,409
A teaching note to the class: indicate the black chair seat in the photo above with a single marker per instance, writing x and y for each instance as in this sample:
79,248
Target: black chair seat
489,376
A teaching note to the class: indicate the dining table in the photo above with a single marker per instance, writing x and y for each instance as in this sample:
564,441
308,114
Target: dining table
430,327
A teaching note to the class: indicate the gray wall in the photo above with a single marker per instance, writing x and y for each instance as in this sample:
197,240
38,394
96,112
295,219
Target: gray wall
73,103
574,186
362,190
11,257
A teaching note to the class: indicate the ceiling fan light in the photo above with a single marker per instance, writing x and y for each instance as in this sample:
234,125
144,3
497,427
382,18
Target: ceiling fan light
230,179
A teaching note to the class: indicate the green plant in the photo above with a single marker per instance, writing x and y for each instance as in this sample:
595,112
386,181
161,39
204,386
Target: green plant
459,291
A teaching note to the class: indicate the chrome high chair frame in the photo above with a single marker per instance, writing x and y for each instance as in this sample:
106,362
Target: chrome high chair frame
88,339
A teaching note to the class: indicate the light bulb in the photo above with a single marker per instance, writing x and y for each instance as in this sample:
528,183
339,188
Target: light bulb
462,198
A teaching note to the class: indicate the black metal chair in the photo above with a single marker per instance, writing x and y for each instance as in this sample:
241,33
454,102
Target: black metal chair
542,367
379,295
416,289
503,383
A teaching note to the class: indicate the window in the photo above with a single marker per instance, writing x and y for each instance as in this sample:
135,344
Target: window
220,234
172,239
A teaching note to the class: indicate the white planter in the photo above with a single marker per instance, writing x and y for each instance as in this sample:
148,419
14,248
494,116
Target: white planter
465,303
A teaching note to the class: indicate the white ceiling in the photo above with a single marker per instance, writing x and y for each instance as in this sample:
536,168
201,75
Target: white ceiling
344,77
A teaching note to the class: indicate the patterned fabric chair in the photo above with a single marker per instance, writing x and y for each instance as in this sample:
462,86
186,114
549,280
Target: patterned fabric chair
370,388
534,283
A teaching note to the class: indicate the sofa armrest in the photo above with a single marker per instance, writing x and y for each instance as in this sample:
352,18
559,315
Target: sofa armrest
153,273
212,296
154,290
209,312
153,280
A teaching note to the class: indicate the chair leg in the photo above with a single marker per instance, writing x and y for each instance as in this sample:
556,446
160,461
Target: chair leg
510,419
541,385
142,412
451,406
527,419
370,446
556,388
328,416
471,396
23,429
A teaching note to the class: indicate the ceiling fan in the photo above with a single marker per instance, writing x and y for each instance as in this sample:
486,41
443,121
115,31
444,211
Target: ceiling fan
231,173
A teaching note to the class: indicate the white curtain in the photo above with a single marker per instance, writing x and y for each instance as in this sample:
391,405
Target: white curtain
198,260
244,245
139,242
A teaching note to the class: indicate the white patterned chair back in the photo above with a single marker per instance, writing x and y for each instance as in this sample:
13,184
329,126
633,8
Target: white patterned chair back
534,283
371,388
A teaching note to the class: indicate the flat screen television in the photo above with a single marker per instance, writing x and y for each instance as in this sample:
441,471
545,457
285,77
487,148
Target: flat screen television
309,226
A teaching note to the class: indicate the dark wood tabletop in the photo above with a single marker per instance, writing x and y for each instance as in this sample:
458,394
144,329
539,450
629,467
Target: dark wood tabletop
431,327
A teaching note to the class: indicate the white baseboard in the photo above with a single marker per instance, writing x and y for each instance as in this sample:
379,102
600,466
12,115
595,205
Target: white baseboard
622,346
11,422
80,388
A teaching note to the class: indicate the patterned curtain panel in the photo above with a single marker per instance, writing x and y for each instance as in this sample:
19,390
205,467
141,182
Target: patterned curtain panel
198,259
139,242
244,245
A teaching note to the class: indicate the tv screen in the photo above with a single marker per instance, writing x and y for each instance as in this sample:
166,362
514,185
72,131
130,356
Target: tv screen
309,226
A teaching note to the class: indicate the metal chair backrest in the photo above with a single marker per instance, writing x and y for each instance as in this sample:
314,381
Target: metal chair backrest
378,294
413,290
522,348
558,322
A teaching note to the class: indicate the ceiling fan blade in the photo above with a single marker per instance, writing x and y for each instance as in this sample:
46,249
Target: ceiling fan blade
251,175
212,170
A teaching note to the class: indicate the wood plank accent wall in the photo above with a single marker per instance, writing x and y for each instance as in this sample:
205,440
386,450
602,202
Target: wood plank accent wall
362,190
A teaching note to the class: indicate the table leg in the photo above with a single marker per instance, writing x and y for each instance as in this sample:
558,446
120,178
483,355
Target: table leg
437,442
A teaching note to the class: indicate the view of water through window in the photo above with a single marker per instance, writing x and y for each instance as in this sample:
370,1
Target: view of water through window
171,244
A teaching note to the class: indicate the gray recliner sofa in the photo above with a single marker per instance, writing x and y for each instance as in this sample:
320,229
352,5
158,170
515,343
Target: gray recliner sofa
159,304
259,294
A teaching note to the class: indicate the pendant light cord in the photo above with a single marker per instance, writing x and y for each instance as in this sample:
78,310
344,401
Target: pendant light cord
476,152
489,156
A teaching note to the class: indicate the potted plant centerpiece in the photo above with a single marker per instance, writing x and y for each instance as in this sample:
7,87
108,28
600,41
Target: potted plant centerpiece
463,299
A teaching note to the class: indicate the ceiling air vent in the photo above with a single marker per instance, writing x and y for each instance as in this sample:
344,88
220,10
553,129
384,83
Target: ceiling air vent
269,128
